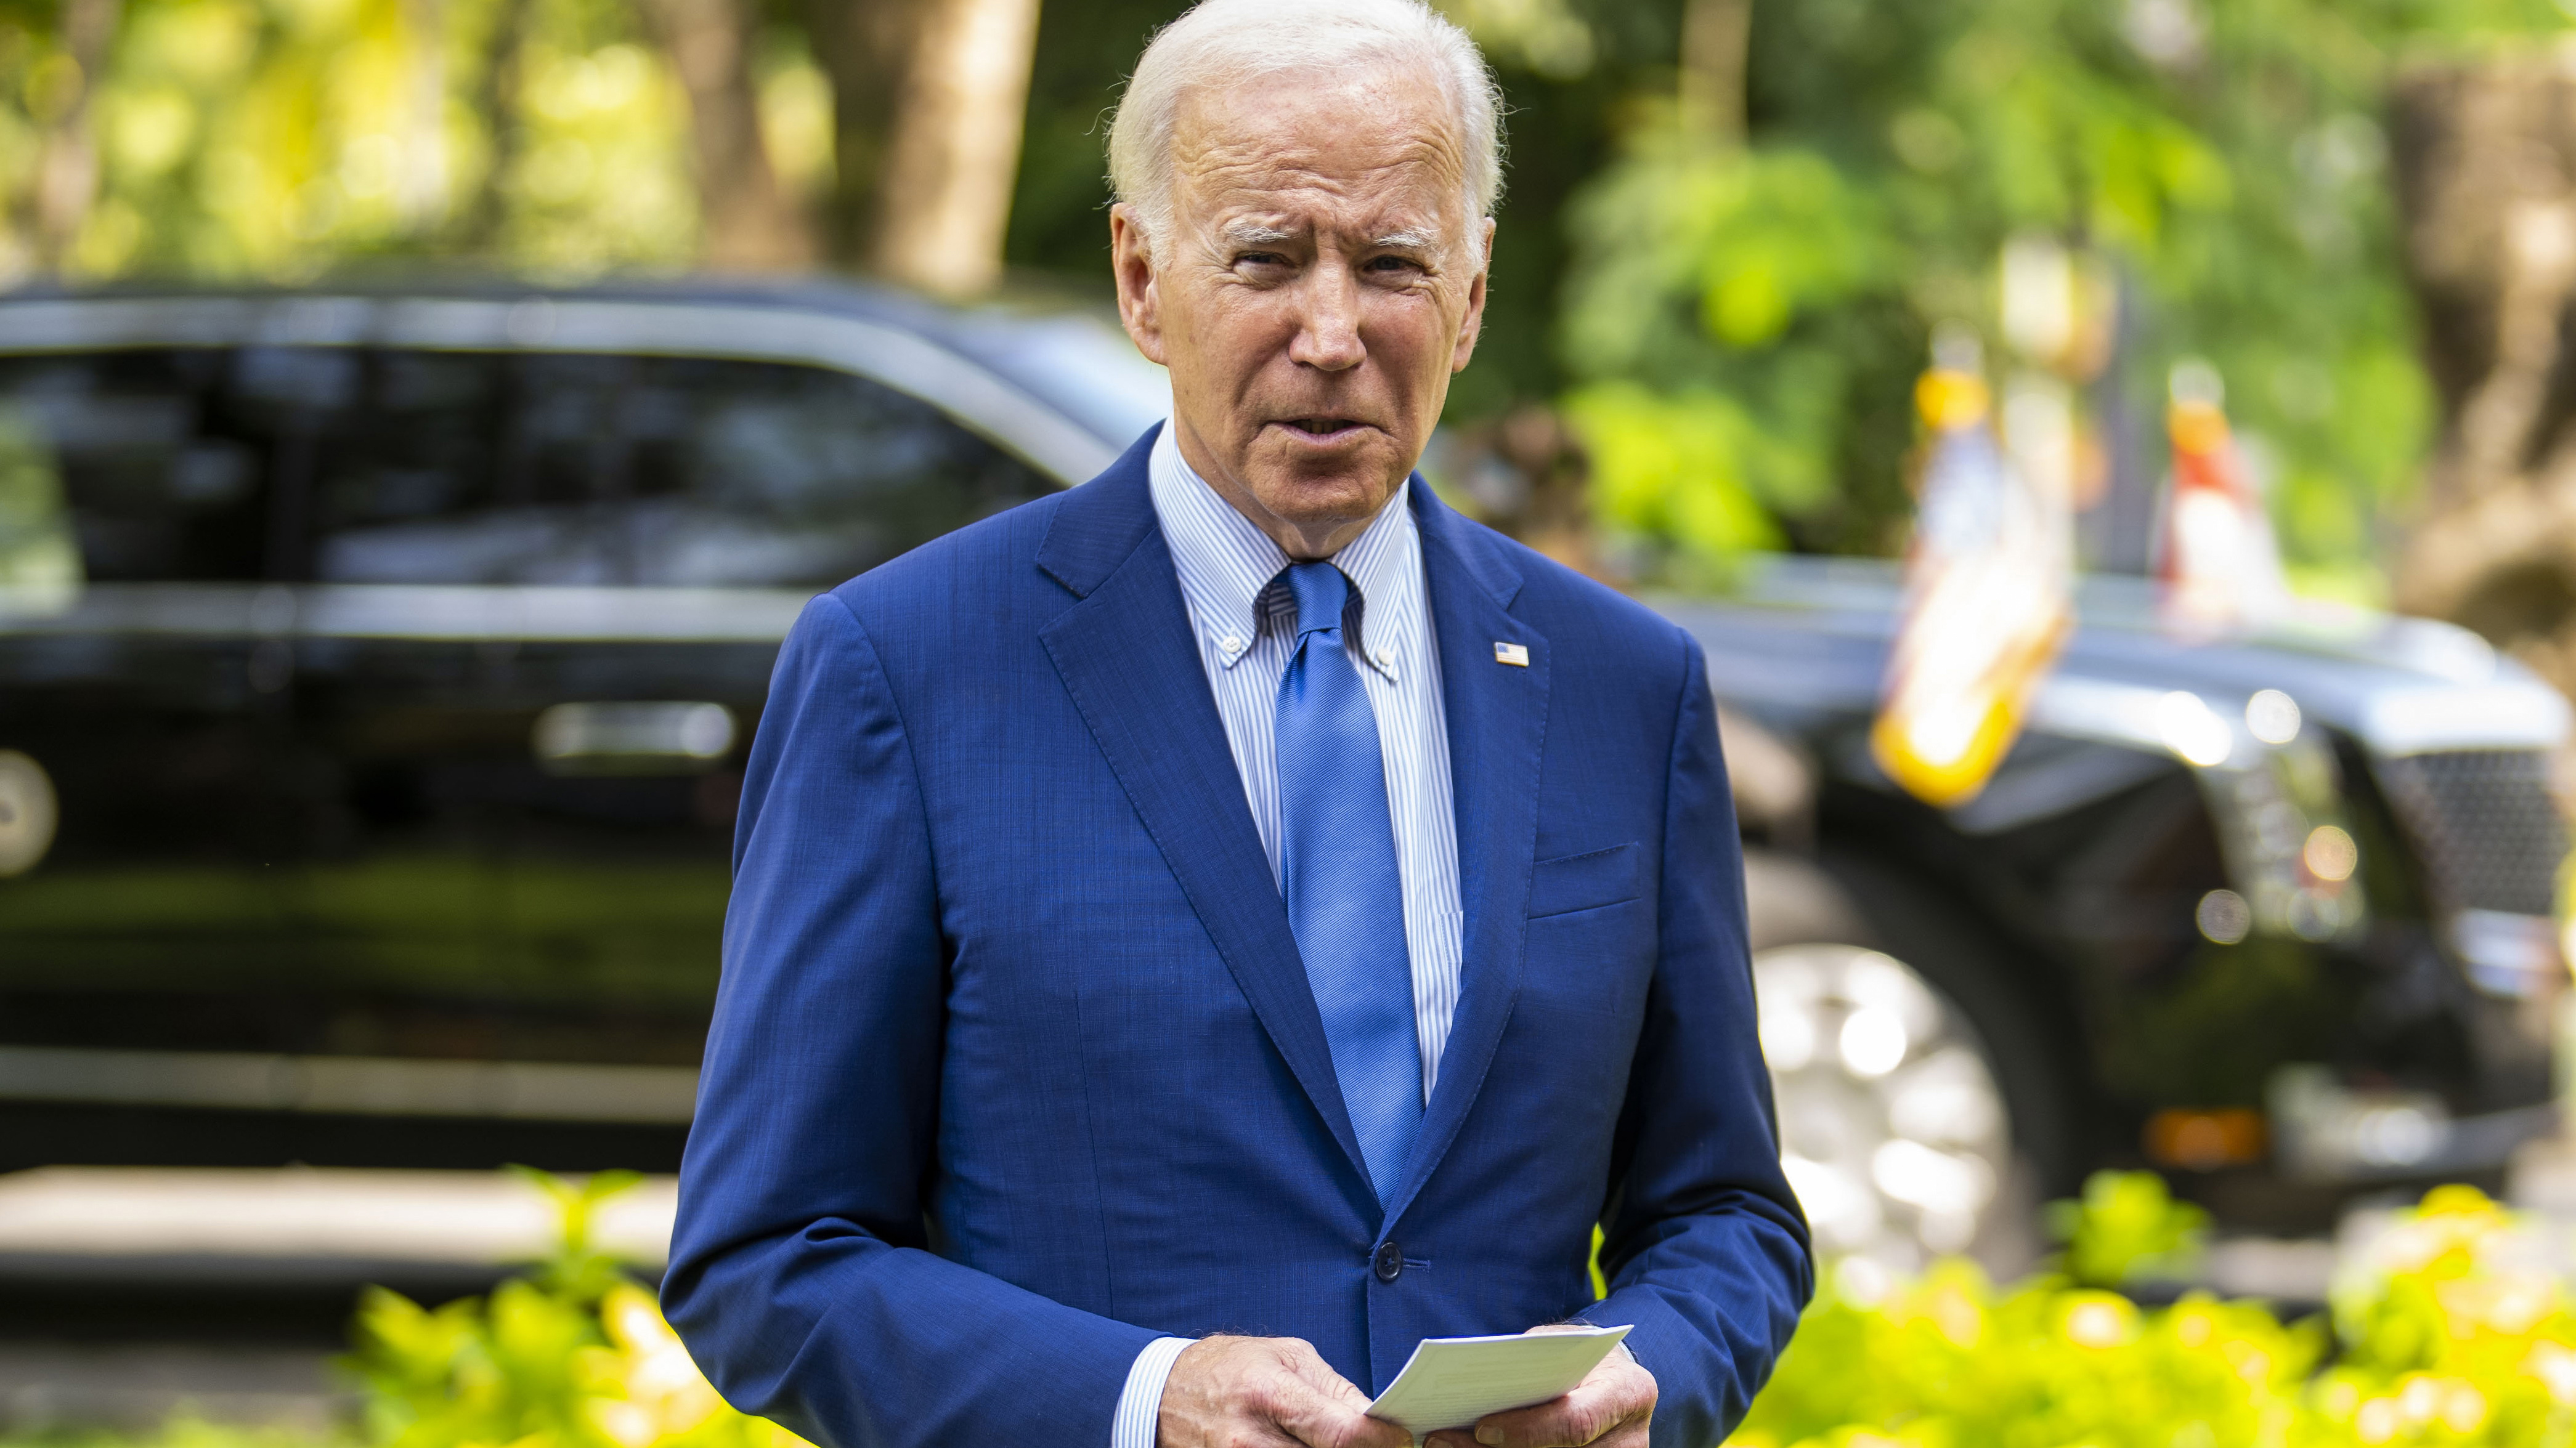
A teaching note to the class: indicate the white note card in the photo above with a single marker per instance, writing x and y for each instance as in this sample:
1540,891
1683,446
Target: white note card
1450,1382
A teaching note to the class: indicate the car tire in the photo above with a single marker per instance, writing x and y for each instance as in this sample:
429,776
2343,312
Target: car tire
1896,1027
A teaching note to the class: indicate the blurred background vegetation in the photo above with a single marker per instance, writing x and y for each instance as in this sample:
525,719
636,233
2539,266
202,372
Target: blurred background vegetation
1731,229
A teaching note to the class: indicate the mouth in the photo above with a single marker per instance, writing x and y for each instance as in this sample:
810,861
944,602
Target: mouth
1325,429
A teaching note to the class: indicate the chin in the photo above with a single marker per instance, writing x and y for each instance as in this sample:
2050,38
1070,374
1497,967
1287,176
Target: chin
1310,490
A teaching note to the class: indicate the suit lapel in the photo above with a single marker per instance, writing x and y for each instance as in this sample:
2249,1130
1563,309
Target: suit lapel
1497,721
1125,655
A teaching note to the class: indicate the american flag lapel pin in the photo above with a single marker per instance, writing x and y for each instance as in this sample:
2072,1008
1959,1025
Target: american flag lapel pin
1516,655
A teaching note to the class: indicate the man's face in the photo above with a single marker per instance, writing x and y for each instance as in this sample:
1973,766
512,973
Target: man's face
1322,280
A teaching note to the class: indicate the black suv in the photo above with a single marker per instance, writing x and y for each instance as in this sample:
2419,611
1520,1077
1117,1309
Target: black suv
376,668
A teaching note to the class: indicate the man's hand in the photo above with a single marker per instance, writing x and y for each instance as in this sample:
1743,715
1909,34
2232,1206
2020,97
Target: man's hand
1610,1407
1266,1392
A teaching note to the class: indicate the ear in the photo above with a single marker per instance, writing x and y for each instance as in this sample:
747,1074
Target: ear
1473,324
1131,259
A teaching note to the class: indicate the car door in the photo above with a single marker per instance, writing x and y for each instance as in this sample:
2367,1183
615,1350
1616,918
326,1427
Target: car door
150,808
545,592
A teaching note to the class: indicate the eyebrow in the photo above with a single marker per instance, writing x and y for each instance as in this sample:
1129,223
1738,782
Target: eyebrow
1408,241
1254,233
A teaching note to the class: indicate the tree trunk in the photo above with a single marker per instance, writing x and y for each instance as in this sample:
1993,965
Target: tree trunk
747,221
955,146
2486,171
865,47
496,99
67,162
420,192
1716,35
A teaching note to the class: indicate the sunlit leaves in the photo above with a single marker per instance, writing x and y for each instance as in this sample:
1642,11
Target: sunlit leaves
277,138
2222,157
2445,1337
1679,467
2127,1225
576,1355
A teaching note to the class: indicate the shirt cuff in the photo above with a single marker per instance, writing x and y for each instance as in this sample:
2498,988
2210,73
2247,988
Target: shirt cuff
1140,1407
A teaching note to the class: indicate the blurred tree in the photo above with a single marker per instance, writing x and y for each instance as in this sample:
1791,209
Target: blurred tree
1058,232
280,137
496,96
1714,36
954,149
866,47
1743,323
2487,173
62,94
747,221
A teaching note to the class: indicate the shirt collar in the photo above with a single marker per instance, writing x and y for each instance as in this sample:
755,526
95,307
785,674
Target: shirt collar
1224,563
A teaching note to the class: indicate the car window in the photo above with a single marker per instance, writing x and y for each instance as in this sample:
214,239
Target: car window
667,471
135,457
392,466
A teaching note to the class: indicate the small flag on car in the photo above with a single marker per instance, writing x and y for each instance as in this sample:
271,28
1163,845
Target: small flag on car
1988,595
2216,556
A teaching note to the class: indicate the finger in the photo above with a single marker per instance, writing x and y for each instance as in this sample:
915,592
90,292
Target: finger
1319,1407
1320,1375
1580,1417
1343,1427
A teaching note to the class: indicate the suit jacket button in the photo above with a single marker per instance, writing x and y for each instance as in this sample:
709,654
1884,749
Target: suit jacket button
1390,1261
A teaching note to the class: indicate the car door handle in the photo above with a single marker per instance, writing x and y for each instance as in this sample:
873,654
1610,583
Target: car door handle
634,738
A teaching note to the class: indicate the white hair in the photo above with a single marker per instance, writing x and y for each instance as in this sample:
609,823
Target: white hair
1228,42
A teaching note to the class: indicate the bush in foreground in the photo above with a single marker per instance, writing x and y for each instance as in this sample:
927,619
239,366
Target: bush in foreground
2450,1332
573,1355
2447,1335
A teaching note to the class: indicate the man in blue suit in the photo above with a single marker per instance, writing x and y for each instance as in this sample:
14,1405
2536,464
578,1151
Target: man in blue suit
1200,934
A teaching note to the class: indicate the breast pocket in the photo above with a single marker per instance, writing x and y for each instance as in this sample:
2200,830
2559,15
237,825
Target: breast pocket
1589,881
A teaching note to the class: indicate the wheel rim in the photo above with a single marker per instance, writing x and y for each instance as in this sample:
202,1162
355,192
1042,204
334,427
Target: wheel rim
1893,1131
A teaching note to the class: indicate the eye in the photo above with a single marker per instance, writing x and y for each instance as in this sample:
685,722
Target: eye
1393,266
1259,258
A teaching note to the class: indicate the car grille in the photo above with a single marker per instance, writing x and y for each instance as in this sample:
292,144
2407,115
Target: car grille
2486,825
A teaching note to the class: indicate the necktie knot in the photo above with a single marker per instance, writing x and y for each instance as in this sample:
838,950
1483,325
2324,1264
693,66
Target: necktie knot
1321,593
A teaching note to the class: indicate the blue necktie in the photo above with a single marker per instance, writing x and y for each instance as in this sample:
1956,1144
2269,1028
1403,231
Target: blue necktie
1337,863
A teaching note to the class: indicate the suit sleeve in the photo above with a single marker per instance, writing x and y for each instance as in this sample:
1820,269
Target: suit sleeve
1704,1247
800,1274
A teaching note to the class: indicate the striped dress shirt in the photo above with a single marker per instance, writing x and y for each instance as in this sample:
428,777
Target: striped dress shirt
1245,624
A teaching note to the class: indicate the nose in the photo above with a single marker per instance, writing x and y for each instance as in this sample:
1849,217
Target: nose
1328,334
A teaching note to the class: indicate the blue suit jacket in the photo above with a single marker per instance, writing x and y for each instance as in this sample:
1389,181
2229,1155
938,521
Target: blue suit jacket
1014,1065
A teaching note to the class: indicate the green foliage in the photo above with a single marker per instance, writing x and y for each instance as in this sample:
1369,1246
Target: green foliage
2441,1339
577,1271
2126,1227
186,1431
37,550
1730,335
277,138
1949,1361
573,1355
2226,163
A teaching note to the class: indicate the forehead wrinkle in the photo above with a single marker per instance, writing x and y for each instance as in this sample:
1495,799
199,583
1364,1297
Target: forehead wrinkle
1239,139
1258,205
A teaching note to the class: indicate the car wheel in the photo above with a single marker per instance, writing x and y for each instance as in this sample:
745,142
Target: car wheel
1911,1127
